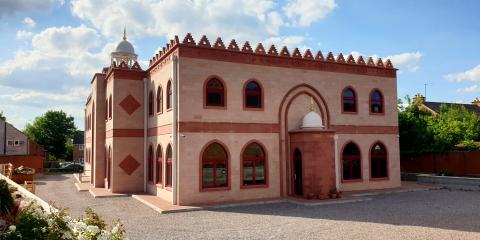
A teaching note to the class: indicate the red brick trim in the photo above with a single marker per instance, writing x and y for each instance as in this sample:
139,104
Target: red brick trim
160,130
124,133
223,127
125,74
226,55
351,129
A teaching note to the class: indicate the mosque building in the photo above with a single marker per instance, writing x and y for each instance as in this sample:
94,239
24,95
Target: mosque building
214,123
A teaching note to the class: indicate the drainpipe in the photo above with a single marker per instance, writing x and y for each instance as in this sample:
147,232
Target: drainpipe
145,125
337,165
175,129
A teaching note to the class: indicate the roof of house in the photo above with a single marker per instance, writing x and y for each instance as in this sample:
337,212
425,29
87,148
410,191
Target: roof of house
435,106
78,138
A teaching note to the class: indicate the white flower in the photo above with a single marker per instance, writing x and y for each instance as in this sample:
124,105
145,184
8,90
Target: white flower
93,229
12,228
67,235
115,230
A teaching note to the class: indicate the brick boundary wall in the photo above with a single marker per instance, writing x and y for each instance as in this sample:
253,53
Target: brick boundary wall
30,161
460,163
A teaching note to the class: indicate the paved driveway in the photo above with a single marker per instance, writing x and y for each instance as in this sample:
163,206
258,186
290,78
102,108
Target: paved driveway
438,214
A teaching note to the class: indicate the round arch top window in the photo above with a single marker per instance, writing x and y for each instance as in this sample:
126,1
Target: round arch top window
253,95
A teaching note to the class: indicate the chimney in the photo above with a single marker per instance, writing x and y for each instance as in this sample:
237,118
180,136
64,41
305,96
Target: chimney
419,99
476,101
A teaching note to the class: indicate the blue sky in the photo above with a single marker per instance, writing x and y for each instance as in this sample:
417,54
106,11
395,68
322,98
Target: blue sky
49,49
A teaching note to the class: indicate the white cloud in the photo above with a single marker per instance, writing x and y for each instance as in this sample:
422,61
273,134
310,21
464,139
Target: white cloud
472,89
290,41
305,12
241,19
408,61
29,22
13,6
471,75
23,35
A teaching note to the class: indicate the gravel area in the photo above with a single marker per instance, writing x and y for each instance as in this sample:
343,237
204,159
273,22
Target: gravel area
438,214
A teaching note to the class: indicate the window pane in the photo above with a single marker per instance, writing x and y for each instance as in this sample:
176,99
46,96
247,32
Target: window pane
356,169
169,173
351,150
383,168
253,101
215,150
214,99
247,172
207,175
346,170
260,172
253,86
221,175
253,150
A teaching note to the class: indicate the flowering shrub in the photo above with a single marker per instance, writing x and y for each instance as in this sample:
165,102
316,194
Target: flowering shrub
28,220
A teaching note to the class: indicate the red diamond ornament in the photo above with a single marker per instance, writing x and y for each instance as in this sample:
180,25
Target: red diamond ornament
129,104
129,164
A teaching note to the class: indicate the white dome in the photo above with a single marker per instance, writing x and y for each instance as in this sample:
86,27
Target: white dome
312,120
125,47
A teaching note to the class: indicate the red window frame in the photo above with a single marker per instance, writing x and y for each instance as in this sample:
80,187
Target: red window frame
106,109
150,164
168,160
220,91
348,98
253,93
378,158
159,99
254,161
350,159
169,95
159,164
379,101
215,161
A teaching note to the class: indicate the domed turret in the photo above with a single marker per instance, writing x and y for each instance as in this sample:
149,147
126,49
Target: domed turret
312,120
124,52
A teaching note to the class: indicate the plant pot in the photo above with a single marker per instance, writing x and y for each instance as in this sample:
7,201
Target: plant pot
333,195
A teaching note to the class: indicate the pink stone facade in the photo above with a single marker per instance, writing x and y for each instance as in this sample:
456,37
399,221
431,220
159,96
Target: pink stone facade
127,150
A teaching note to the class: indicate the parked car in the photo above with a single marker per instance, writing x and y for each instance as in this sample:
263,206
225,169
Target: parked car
72,167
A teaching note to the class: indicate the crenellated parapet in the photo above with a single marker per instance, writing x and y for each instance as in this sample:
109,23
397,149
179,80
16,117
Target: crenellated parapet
369,67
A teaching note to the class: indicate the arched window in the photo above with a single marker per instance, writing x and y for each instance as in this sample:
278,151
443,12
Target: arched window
253,95
169,94
159,100
106,109
349,100
110,107
351,162
214,167
254,170
168,180
159,163
378,161
214,93
376,102
150,164
150,103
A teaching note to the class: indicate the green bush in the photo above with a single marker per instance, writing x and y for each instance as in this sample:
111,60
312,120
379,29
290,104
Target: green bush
6,200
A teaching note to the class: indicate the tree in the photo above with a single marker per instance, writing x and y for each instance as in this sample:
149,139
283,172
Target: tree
52,130
2,117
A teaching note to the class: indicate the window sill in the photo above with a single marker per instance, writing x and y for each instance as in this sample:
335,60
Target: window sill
169,109
377,114
159,185
168,188
215,107
214,189
374,179
254,186
352,180
253,109
159,113
352,113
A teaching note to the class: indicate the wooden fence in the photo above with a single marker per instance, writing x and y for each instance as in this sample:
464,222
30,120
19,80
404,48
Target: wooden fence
456,162
30,161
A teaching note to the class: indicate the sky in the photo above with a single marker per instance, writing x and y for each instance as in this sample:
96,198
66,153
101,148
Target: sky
50,49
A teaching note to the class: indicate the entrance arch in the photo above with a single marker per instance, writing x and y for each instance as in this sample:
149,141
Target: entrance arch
285,147
297,173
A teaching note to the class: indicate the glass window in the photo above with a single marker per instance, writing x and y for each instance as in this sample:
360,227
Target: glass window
349,101
215,93
214,167
169,94
168,169
159,100
378,161
351,162
159,164
376,102
254,172
253,95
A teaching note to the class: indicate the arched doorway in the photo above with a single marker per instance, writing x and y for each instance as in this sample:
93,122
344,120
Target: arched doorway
297,173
